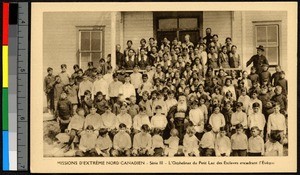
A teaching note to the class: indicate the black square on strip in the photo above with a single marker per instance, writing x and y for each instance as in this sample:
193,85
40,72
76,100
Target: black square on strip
13,13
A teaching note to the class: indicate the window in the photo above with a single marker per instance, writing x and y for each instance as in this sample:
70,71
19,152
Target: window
91,45
268,36
177,25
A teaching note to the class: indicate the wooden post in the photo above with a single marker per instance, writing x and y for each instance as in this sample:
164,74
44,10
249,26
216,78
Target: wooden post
113,39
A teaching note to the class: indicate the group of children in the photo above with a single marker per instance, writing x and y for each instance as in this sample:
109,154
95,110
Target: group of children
112,113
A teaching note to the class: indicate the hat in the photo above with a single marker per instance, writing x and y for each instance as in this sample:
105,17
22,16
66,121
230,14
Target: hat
260,47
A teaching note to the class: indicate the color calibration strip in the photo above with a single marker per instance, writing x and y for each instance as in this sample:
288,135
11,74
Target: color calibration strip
12,81
5,22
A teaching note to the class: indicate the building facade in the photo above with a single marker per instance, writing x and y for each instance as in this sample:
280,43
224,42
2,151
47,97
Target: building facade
79,37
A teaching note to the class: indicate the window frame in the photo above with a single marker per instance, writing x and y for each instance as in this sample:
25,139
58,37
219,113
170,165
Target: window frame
257,24
90,29
177,15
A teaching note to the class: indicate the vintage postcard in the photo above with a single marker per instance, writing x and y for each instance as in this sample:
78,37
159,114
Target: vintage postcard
163,87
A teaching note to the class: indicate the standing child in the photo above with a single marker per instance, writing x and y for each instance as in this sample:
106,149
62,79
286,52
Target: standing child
58,89
273,147
113,89
64,112
239,142
265,74
216,119
256,146
197,119
257,118
238,118
49,82
234,58
146,102
122,142
127,89
203,107
142,142
64,76
133,107
281,99
277,123
223,58
207,143
212,58
103,143
283,83
173,143
245,99
254,99
159,120
72,90
223,144
253,76
191,143
85,85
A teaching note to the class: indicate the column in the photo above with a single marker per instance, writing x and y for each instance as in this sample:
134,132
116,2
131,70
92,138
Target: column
113,39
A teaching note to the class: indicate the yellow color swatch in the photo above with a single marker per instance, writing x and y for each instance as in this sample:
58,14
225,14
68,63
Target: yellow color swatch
5,66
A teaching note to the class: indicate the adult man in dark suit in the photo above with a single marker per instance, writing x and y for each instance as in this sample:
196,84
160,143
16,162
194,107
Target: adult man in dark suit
119,57
259,59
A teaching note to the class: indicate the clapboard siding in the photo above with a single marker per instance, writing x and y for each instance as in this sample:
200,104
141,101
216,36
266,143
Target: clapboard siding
60,36
256,16
137,25
219,22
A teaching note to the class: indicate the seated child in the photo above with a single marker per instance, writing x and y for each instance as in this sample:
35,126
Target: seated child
159,121
75,127
124,117
87,102
93,119
109,121
257,119
103,143
255,143
273,147
207,143
133,107
64,111
100,103
140,119
142,142
122,142
190,143
87,142
157,143
239,142
238,117
223,144
173,143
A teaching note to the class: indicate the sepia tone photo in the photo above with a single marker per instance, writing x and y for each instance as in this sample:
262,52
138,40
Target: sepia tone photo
166,84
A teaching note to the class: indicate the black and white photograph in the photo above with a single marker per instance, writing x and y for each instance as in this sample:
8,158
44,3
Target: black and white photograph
165,83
